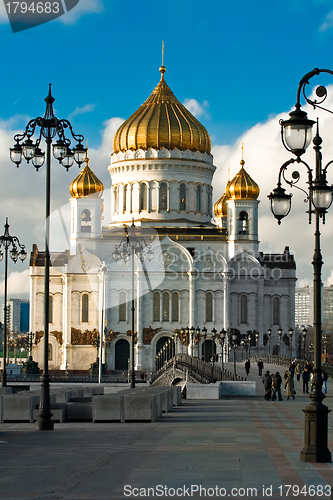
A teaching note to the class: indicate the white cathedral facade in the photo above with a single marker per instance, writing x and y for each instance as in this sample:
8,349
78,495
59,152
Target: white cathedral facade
205,268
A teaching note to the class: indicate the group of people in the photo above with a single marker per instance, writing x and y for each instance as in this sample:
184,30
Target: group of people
272,383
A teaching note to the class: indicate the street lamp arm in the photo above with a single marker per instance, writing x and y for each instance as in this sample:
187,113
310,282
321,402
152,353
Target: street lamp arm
321,91
295,175
63,124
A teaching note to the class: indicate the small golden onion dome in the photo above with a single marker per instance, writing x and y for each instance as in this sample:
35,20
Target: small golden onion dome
220,207
243,187
86,183
162,122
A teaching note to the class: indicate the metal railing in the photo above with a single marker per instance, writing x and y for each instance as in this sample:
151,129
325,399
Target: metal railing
197,369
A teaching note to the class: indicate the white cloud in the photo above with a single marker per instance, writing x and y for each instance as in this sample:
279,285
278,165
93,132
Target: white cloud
196,108
264,154
3,14
88,108
84,7
328,22
18,284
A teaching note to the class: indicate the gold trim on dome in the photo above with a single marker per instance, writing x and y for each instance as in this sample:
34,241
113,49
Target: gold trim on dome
242,186
220,207
86,183
162,122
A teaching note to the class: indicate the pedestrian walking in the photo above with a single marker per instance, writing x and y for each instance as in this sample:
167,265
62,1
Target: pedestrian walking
290,385
292,368
247,366
260,367
324,377
267,381
306,378
298,371
308,366
276,385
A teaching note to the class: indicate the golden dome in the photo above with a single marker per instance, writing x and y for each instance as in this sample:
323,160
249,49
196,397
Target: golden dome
242,186
162,122
86,183
220,207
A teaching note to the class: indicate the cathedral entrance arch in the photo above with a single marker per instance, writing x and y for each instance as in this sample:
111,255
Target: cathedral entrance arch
276,350
208,348
122,354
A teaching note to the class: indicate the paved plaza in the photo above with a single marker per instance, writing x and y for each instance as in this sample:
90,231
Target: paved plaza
234,447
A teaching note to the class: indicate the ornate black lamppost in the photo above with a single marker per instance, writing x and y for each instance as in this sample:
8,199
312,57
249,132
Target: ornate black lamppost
204,334
132,244
257,342
47,127
304,333
197,334
296,137
249,338
234,342
17,251
30,367
214,332
279,337
223,334
290,333
242,343
269,335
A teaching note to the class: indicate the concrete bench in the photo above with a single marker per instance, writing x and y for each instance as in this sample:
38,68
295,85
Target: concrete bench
79,411
140,407
107,408
237,388
177,395
59,413
203,391
167,397
18,407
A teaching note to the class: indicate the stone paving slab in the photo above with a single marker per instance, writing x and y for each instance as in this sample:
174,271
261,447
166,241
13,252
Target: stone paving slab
229,443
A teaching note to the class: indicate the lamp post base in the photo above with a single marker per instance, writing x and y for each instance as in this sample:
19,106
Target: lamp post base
316,433
44,422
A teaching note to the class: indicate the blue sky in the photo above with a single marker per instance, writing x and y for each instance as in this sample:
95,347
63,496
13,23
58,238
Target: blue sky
235,64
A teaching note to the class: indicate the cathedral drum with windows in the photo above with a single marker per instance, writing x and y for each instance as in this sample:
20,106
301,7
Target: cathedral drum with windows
207,269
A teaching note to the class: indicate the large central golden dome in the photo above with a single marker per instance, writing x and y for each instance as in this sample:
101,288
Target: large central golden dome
162,122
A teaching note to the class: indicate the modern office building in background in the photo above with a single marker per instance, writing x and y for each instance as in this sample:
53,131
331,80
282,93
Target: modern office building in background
17,316
304,307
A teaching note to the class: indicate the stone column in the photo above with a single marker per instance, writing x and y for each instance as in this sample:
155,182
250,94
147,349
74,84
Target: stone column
67,323
191,318
139,320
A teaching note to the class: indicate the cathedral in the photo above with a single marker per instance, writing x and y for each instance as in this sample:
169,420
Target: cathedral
192,263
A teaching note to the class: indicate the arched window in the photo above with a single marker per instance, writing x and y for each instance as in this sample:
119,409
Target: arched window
124,198
116,200
198,200
175,306
209,307
243,222
243,309
163,196
85,221
156,307
50,309
182,197
122,306
143,196
276,311
166,306
85,308
50,352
